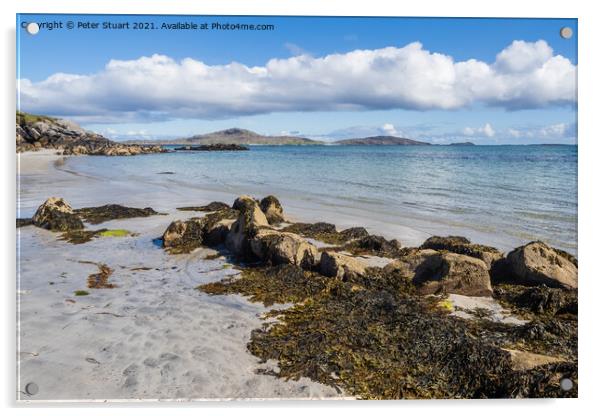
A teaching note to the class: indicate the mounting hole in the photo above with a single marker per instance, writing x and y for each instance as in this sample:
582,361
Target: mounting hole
32,28
566,384
566,33
31,389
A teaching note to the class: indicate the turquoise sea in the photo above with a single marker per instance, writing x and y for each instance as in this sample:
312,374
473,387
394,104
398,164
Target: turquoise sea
504,194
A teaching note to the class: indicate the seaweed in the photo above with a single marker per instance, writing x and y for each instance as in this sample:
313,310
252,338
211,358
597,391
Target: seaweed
100,280
84,236
376,245
212,206
376,345
23,222
326,232
269,285
540,300
81,293
97,215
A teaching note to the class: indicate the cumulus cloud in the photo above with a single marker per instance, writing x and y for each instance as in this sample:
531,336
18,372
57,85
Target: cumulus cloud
524,75
485,131
551,131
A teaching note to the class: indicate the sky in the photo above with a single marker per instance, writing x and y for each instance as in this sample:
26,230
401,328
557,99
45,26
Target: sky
489,81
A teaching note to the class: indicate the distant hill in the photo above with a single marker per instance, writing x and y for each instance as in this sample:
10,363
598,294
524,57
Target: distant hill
235,136
382,141
462,144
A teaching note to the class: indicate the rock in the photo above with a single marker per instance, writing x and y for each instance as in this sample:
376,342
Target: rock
412,265
23,222
57,215
212,147
184,236
354,233
342,266
461,245
537,263
250,220
272,209
276,247
217,225
375,245
450,273
211,230
524,360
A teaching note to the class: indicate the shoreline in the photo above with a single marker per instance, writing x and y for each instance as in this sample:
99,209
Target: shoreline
170,191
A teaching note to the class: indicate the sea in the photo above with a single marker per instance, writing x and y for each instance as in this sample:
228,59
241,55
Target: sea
501,195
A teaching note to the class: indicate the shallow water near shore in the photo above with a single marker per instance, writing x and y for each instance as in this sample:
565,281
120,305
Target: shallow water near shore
503,196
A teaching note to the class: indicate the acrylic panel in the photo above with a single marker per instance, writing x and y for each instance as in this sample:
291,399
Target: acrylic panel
264,207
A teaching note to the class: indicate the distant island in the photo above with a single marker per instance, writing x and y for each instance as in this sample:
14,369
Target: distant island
382,141
233,136
462,144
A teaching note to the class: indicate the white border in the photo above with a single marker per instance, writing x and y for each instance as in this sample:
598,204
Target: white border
590,150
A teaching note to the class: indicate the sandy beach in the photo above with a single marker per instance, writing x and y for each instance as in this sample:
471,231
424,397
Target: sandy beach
154,336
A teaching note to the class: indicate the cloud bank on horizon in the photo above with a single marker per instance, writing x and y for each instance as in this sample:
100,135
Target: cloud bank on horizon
524,75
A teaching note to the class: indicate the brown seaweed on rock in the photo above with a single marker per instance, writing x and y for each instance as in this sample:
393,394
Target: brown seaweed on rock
326,232
210,207
376,345
97,215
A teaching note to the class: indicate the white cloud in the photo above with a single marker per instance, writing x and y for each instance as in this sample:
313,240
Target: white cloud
485,131
389,129
551,131
524,75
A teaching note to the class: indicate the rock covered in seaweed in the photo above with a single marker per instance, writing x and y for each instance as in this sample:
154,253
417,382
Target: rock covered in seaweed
98,215
56,214
276,247
342,266
210,207
537,263
462,245
456,273
271,207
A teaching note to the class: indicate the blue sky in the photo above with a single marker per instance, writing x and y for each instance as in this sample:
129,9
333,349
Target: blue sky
187,85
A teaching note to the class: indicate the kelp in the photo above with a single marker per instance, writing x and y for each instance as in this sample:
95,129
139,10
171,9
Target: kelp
372,337
325,232
212,206
541,300
269,285
98,215
100,280
376,345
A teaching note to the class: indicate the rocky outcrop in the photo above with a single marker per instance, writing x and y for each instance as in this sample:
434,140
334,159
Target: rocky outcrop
375,245
34,132
272,209
250,219
342,266
461,245
210,230
213,147
537,263
56,214
276,247
455,273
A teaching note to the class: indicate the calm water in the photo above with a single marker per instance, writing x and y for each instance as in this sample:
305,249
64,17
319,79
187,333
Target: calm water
516,193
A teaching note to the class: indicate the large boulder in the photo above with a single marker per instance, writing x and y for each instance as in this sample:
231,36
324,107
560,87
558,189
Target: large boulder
276,247
413,265
250,220
272,209
342,266
184,236
537,263
454,273
462,245
56,214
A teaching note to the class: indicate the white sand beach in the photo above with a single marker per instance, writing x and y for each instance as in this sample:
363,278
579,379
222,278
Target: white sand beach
154,336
